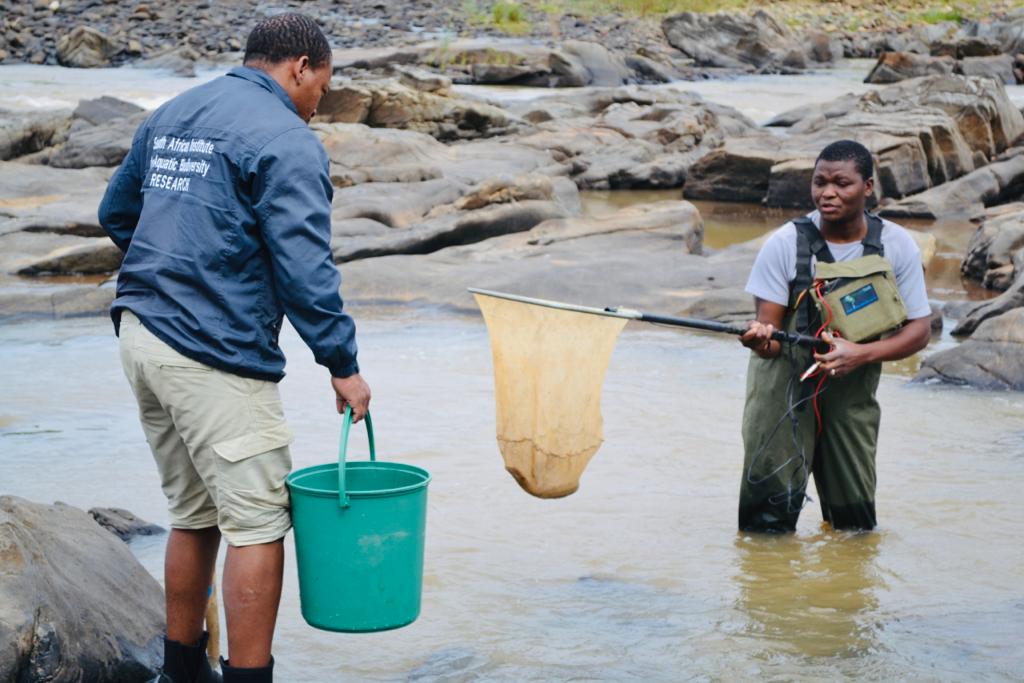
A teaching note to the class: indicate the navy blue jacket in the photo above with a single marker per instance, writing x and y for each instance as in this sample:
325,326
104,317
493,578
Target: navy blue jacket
223,210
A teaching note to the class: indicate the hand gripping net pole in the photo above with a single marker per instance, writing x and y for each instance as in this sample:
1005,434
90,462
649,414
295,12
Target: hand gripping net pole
549,366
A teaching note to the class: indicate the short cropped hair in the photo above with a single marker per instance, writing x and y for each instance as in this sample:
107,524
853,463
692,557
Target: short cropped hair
287,36
849,150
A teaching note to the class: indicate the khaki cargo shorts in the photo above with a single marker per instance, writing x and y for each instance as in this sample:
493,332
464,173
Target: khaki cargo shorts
219,440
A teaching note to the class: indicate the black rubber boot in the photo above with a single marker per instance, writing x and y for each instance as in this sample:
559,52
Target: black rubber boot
264,674
187,663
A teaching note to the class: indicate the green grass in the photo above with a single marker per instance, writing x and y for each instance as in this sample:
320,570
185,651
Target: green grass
940,14
510,17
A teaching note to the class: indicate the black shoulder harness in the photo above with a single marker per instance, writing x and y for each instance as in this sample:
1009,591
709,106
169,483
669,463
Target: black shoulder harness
810,243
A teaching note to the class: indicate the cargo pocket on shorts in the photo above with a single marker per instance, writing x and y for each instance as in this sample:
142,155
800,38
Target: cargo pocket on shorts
254,443
252,497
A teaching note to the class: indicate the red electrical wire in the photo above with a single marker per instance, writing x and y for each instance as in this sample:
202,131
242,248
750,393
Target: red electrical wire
821,382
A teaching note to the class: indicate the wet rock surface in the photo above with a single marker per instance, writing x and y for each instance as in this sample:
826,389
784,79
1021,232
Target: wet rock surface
124,524
923,132
75,605
755,43
993,357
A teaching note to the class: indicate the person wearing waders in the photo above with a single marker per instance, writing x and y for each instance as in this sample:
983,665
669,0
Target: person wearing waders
812,412
223,210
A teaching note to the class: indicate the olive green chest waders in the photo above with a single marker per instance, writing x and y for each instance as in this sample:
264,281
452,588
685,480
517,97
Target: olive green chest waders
781,444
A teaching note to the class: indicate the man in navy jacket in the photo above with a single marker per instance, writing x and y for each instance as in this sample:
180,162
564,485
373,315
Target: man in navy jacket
222,208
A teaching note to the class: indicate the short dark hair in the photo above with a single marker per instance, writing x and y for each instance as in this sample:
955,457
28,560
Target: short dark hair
849,150
287,36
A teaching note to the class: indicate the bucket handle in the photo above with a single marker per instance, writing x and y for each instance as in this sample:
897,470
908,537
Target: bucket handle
346,426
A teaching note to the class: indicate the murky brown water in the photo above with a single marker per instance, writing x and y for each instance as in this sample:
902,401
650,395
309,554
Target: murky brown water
638,576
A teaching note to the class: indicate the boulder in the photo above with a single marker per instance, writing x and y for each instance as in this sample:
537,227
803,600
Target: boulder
650,71
789,184
44,300
922,132
966,196
993,358
735,41
105,109
987,118
396,205
1007,32
739,170
604,68
22,134
96,255
663,215
75,605
591,263
819,111
504,62
1012,298
41,198
962,47
729,305
898,66
123,523
505,189
995,254
421,79
391,104
105,144
998,67
632,137
181,61
446,230
85,47
359,154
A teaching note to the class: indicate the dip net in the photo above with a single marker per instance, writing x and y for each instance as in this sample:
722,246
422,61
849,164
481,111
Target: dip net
549,366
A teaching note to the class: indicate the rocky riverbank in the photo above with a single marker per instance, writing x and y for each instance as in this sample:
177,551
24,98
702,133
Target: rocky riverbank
438,189
775,38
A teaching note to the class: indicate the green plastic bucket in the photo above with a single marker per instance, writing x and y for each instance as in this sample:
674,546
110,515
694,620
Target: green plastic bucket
359,533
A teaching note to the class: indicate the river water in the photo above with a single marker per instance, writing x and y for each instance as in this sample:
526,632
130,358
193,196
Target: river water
640,575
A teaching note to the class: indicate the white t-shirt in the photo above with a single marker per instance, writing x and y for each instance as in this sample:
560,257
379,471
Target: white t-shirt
775,266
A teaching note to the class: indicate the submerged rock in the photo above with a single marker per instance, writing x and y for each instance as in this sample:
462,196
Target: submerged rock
75,605
124,524
993,357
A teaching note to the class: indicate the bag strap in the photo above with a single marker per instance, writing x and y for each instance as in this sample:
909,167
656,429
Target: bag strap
873,240
809,243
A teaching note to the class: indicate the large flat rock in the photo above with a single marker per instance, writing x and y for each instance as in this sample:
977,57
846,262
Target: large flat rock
641,257
51,199
923,133
966,196
993,357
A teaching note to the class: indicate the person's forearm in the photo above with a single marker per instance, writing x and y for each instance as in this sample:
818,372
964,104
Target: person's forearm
910,339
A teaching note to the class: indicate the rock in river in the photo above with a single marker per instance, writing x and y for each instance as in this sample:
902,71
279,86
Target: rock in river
75,604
